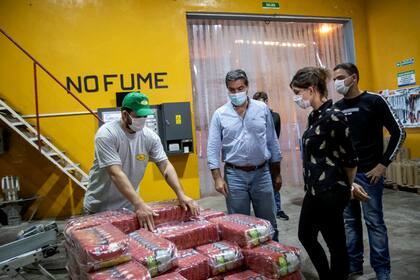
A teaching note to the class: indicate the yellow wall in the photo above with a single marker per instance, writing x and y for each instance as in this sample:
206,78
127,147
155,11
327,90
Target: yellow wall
74,38
393,29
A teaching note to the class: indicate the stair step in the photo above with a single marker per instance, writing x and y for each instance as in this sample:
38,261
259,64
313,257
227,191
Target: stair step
3,108
72,167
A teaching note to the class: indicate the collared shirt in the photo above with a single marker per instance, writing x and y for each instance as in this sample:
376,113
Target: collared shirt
246,141
327,148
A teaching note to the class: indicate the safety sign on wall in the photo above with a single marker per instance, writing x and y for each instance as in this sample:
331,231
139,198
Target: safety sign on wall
406,78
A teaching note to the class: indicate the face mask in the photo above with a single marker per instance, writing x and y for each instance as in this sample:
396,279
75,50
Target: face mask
341,87
137,124
302,103
238,98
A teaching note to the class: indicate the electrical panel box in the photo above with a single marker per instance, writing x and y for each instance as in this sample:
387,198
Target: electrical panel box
172,122
176,127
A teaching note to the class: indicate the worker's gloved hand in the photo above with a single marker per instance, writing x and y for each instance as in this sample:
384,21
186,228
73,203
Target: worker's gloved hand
357,192
145,216
187,203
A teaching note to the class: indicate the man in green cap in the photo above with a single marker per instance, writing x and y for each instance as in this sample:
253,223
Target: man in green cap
122,151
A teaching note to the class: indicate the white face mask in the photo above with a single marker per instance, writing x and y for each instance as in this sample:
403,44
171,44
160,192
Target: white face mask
341,87
238,98
137,124
302,103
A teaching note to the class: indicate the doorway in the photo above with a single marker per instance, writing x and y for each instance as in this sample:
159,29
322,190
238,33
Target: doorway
270,50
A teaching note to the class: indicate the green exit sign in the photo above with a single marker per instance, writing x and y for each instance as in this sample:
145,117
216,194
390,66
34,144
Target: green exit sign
270,5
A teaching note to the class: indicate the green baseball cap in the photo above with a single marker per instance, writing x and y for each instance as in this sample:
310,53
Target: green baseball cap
139,103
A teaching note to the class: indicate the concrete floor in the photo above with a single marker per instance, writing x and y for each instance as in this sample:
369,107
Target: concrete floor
402,215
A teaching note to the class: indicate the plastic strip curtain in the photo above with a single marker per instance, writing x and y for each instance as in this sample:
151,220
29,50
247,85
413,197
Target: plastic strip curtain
270,53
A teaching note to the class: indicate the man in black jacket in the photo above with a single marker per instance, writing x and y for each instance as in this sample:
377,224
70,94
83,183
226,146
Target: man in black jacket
367,115
263,96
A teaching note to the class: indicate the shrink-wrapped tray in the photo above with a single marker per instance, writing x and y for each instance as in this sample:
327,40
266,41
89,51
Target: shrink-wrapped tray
171,276
100,246
246,231
189,234
157,254
169,211
193,265
222,256
272,259
127,271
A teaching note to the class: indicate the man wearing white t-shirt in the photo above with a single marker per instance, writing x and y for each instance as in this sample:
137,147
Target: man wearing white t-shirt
122,151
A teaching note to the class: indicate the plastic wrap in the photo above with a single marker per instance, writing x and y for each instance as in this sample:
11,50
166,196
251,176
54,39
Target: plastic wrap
171,276
272,259
222,256
100,246
128,271
169,211
251,275
207,214
246,231
224,275
189,234
193,265
158,255
246,275
123,219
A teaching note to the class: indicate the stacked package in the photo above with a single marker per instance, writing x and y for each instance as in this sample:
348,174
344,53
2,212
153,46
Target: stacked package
189,234
273,259
222,256
171,276
193,265
246,231
225,274
251,275
125,220
99,247
158,255
207,214
169,211
246,275
128,271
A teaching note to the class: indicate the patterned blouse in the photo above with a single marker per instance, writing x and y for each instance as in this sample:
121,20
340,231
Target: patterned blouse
327,148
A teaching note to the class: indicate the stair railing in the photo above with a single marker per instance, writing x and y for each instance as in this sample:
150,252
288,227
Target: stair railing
37,64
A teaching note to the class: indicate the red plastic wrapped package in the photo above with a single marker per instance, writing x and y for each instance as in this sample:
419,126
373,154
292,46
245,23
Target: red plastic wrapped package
171,276
193,265
246,231
158,255
128,271
272,259
100,246
251,275
189,234
222,256
72,265
207,214
246,275
125,220
169,211
224,275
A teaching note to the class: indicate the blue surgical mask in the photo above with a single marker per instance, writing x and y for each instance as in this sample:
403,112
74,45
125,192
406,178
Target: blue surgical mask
238,98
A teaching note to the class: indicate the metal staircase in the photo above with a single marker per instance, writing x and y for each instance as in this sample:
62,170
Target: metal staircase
38,141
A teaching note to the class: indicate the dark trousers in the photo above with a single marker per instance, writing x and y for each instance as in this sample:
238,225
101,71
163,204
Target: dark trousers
324,213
